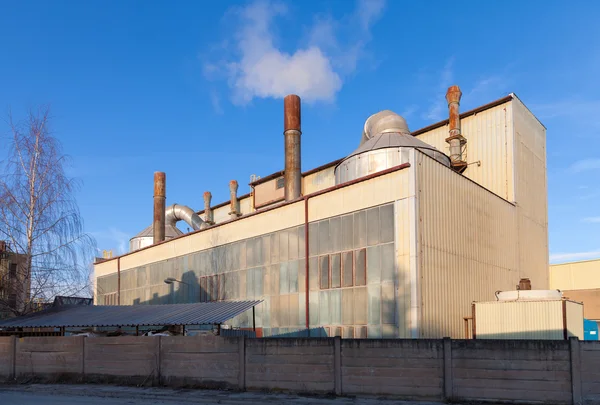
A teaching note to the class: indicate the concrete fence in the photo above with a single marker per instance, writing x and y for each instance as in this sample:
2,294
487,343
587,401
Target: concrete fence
558,372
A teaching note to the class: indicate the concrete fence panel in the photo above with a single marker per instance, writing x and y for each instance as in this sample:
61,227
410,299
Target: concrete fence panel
590,371
303,365
124,358
403,368
6,356
512,370
49,357
205,361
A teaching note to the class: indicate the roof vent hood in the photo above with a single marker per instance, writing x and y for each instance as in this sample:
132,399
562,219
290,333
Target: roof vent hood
385,143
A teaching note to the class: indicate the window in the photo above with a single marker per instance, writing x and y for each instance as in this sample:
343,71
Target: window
324,272
279,183
346,269
209,288
12,271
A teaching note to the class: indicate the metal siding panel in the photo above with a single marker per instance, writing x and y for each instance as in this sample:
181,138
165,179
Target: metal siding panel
574,319
487,134
575,276
468,243
519,320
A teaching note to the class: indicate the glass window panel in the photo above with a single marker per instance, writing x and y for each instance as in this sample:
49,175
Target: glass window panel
324,271
215,293
360,229
388,304
293,276
336,278
387,262
347,306
335,306
360,305
324,238
360,277
313,239
274,281
301,242
274,248
283,246
373,226
324,311
386,223
293,244
374,264
209,288
259,280
374,310
266,250
313,305
335,232
284,278
347,232
313,276
301,275
347,269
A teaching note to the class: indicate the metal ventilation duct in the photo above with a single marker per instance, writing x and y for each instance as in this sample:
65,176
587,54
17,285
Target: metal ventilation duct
173,214
385,143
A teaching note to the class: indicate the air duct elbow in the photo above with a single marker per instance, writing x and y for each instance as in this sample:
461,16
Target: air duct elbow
184,213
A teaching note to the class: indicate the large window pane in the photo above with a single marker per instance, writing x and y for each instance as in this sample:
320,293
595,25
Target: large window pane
360,276
324,271
336,279
347,269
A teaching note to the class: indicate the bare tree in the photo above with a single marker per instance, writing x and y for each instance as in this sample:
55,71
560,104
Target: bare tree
39,216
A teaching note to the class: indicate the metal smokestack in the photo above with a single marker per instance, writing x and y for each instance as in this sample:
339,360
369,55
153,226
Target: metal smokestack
455,138
208,214
291,132
234,210
160,196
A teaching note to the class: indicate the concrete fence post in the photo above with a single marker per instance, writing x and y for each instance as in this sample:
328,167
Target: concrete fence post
82,345
13,357
448,381
242,362
159,360
575,370
337,367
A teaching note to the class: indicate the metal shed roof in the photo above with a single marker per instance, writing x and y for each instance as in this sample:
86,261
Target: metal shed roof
203,313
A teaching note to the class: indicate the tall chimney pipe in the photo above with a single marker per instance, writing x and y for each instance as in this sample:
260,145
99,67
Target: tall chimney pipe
292,131
234,211
160,196
208,214
455,138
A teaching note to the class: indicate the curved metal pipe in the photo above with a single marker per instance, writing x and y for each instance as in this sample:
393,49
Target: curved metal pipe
178,212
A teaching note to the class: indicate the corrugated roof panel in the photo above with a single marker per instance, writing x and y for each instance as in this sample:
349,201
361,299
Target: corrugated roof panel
204,313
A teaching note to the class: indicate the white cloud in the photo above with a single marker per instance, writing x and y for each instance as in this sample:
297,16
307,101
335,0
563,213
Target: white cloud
116,239
592,220
259,68
565,257
584,165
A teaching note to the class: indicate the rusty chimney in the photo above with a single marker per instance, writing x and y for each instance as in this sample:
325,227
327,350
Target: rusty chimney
524,284
455,138
208,214
160,196
292,131
234,210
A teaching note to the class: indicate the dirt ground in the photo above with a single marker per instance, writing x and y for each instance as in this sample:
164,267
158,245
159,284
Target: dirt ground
104,395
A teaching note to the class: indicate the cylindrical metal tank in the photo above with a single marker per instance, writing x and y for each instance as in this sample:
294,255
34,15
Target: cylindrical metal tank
386,142
145,238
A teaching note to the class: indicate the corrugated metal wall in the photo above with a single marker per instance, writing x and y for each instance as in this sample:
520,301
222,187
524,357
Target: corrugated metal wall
575,276
531,195
574,319
519,320
489,141
467,247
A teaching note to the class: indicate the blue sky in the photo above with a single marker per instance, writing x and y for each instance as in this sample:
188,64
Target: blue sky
195,89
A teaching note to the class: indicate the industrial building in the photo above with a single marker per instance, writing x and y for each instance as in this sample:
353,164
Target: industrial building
395,240
15,291
580,281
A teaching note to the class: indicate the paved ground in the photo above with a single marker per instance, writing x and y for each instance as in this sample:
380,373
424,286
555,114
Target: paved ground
36,394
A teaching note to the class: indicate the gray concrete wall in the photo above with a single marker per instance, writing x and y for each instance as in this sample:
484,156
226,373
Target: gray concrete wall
6,353
49,357
305,365
512,370
208,361
112,358
590,371
557,372
407,368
